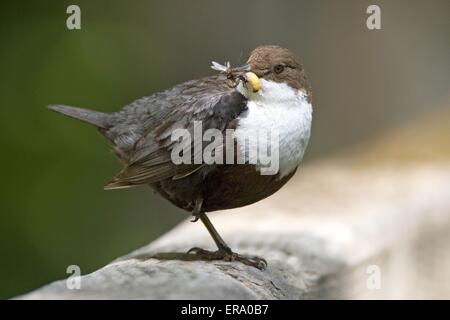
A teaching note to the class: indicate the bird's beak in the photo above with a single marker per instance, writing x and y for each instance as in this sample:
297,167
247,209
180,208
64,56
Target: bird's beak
249,78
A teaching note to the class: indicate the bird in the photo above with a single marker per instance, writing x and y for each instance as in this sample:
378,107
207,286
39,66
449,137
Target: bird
270,90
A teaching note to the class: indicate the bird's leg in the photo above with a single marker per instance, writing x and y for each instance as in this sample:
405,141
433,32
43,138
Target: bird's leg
197,209
220,243
224,252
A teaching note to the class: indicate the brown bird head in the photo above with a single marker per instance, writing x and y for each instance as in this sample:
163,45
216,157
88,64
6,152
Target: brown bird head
278,64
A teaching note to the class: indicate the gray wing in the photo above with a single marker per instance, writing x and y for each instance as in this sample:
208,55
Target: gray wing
141,132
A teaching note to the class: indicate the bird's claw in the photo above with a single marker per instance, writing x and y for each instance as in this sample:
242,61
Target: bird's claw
230,256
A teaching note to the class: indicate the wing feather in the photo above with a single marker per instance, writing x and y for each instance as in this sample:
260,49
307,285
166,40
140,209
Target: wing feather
142,131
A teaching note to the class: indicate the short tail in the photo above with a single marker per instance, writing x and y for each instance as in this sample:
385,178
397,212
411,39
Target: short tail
98,119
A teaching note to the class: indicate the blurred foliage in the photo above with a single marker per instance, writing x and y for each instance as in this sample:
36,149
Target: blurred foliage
53,210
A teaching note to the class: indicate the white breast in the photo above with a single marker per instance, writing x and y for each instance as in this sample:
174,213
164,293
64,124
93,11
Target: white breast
278,107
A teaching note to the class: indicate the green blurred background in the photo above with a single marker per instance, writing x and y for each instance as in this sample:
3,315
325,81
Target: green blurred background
54,212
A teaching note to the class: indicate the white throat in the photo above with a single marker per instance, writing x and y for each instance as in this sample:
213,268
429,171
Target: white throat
277,106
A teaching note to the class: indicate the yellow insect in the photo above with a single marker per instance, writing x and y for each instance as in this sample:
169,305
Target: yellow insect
253,80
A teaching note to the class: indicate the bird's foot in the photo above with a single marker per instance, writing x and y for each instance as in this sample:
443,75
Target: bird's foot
228,255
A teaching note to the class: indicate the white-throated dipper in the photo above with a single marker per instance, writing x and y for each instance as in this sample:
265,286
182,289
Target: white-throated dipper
271,91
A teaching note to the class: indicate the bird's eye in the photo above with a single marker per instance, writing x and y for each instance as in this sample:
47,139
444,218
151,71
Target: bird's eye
278,68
